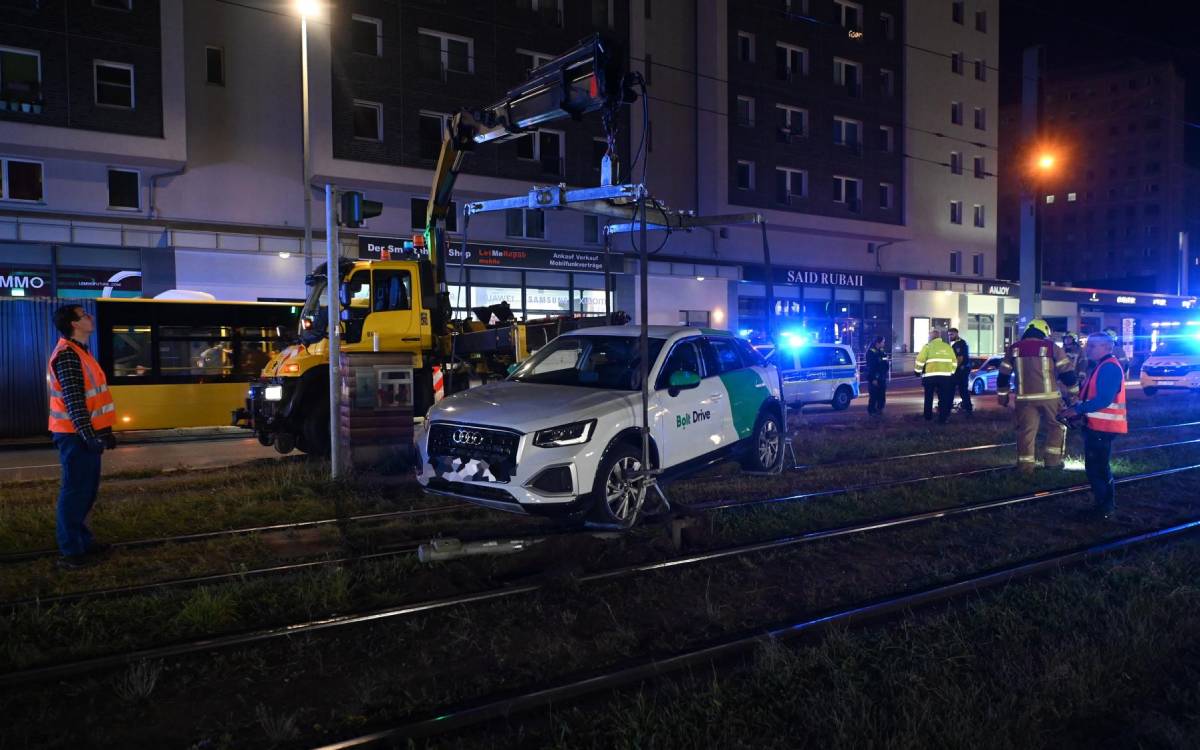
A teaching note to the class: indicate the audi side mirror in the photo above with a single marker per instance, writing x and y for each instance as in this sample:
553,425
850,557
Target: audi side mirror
682,380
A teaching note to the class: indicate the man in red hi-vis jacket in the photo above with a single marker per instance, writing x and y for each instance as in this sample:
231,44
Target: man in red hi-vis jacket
81,420
1104,417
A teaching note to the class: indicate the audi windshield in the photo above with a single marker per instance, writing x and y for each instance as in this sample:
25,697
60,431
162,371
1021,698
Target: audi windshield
609,362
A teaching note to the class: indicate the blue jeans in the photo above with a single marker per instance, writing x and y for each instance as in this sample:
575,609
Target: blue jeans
80,483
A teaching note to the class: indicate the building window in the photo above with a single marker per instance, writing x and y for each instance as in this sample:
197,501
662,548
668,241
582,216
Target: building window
214,66
793,122
20,79
887,138
887,82
790,184
955,162
956,262
957,11
591,229
366,35
956,212
980,70
886,191
745,174
548,147
368,120
980,168
977,264
980,118
529,223
847,132
440,53
887,25
113,4
956,110
981,21
956,62
849,15
745,111
1071,197
531,60
431,128
114,84
745,47
980,218
848,190
847,74
20,180
790,61
1049,198
419,207
124,189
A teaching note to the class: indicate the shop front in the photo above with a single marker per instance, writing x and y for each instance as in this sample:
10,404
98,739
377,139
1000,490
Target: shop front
1138,318
69,271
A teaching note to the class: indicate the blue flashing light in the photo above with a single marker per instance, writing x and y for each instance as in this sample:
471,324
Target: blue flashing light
744,333
794,339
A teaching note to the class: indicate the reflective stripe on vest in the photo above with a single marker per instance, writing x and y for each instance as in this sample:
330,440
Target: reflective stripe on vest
98,399
1114,417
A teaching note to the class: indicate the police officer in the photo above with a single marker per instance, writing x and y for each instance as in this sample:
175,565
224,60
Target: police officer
936,364
1104,417
879,367
962,374
1034,358
81,420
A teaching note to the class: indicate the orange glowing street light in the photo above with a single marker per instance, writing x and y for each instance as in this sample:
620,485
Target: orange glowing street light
1046,162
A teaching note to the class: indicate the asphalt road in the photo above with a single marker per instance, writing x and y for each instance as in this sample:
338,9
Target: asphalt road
42,463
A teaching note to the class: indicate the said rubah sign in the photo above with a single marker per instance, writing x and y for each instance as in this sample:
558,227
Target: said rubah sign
823,277
490,255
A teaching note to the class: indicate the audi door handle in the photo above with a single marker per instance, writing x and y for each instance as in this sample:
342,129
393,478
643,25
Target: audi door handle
716,396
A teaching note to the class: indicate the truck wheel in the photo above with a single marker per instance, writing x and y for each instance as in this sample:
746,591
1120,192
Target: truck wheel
285,442
766,445
841,398
265,438
315,429
977,387
1149,391
616,491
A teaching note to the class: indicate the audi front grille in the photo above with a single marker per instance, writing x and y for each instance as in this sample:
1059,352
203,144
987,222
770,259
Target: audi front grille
495,446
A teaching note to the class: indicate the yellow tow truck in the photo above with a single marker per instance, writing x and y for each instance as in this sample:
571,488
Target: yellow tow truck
402,305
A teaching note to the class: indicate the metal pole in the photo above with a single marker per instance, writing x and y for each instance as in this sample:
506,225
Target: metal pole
769,279
308,254
1031,292
1183,287
644,344
332,283
607,277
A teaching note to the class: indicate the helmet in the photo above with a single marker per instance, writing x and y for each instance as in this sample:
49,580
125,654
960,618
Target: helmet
1070,335
1040,325
1111,332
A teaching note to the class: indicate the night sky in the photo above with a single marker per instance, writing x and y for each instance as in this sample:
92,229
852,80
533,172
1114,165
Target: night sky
1078,32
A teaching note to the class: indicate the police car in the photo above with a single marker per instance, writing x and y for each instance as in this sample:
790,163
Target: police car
1174,365
561,434
817,373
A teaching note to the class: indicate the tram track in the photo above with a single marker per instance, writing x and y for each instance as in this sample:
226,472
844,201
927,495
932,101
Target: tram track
450,719
406,547
263,635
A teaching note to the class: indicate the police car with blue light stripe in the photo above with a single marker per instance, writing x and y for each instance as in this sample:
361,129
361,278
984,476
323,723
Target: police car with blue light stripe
816,373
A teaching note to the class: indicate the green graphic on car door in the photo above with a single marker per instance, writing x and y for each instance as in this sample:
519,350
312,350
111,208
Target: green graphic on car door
747,390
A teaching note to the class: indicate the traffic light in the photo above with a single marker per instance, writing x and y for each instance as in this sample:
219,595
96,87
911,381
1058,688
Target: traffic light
356,209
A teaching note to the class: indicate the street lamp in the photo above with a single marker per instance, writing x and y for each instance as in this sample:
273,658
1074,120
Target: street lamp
1043,166
306,8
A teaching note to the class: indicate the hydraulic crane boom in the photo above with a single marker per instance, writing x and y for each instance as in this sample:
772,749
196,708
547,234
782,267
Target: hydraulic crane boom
585,79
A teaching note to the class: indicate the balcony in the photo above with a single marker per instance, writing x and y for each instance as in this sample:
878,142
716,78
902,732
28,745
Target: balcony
25,97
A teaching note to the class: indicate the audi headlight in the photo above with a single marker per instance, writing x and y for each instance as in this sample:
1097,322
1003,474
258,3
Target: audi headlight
576,433
273,393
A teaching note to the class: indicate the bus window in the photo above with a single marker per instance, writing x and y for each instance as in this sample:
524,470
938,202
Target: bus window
198,350
256,345
393,291
131,351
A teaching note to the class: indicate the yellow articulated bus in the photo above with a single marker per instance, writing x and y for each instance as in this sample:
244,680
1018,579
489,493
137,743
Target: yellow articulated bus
185,363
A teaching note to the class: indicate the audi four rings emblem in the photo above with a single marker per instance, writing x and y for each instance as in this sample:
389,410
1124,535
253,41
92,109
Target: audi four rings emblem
466,437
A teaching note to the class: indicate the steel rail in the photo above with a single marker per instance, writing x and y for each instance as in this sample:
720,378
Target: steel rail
636,671
65,669
407,547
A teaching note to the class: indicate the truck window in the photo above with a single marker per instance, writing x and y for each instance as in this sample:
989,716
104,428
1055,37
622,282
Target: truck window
393,291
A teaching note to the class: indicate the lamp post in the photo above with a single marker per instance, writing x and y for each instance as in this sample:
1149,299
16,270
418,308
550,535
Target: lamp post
306,8
1043,166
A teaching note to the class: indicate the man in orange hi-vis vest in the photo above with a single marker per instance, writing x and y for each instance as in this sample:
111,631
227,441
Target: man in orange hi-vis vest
1102,410
81,420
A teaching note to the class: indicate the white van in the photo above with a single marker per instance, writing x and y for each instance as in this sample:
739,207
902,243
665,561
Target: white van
818,374
1174,365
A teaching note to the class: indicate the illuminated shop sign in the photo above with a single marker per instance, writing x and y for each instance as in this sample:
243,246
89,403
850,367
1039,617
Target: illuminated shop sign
497,256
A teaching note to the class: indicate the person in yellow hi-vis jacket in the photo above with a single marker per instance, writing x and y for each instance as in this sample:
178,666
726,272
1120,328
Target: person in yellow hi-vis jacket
936,364
1040,365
